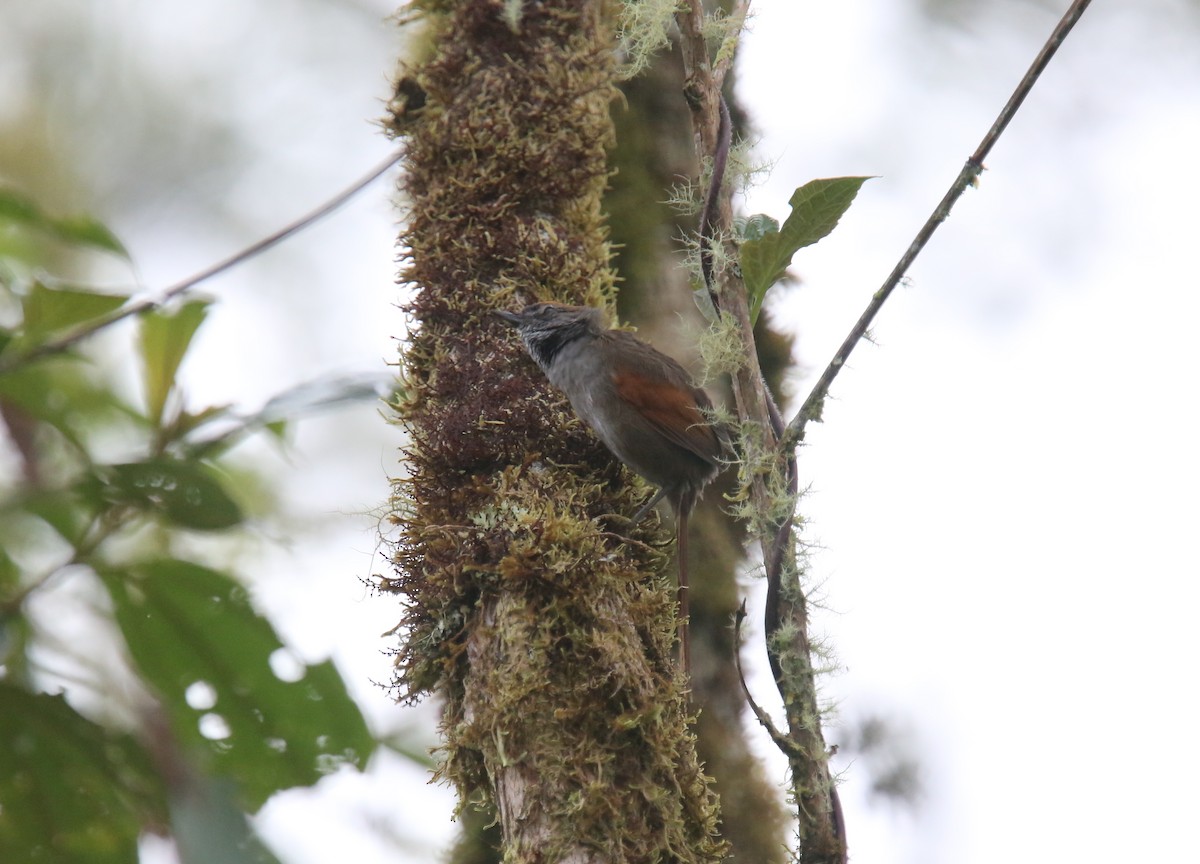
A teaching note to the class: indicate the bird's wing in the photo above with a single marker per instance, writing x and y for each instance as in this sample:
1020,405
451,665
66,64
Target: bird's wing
675,410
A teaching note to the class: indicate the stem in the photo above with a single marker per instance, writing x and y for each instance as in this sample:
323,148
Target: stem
812,407
100,529
56,346
820,831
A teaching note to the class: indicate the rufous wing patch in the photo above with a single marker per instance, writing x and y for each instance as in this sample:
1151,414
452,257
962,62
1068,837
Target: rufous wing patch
671,410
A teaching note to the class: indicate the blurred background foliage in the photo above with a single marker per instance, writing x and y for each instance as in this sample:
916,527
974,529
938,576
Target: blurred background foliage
116,494
142,690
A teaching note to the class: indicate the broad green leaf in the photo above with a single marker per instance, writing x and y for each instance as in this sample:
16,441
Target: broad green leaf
52,310
79,231
19,209
816,208
65,393
185,494
70,791
165,337
86,231
190,627
758,226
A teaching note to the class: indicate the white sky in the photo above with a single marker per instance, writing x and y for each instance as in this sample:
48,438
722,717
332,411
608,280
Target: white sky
1004,487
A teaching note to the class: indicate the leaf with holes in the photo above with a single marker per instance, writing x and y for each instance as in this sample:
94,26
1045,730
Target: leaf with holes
72,791
185,494
189,628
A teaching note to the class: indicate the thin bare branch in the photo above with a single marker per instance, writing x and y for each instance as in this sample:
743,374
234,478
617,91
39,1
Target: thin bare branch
56,346
99,530
813,405
782,741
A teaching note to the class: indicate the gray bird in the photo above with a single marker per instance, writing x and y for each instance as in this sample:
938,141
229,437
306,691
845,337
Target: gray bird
638,401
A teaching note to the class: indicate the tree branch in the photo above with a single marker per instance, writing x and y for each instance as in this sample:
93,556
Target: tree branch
968,176
772,489
724,61
62,343
783,742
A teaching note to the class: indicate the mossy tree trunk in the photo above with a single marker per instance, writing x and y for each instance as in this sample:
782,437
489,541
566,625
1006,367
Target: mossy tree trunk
654,150
543,622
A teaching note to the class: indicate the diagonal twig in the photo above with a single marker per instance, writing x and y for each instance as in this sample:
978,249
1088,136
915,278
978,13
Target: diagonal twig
62,343
812,407
782,741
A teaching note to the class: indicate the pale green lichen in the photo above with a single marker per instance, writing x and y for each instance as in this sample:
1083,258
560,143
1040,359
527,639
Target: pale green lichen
645,28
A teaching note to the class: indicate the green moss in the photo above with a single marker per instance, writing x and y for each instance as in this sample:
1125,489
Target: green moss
545,629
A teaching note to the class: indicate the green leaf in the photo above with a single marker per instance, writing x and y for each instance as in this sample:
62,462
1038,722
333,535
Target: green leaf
63,392
185,494
165,337
758,226
195,637
70,791
16,208
86,231
68,511
21,210
766,252
52,310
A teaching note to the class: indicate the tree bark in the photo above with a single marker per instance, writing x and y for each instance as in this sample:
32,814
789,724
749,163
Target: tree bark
543,621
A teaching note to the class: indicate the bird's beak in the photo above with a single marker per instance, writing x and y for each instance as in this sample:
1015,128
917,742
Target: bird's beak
512,318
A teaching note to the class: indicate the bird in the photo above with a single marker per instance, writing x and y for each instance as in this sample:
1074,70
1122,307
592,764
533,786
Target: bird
640,403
